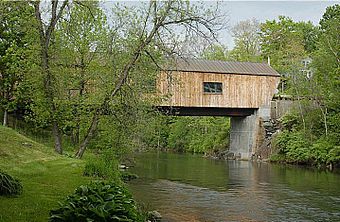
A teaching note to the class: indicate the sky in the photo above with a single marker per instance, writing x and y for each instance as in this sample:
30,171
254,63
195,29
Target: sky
269,10
262,10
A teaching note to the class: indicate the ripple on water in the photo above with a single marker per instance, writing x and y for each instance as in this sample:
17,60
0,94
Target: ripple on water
189,188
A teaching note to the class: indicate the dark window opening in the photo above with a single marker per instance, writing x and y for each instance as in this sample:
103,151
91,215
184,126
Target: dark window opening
212,87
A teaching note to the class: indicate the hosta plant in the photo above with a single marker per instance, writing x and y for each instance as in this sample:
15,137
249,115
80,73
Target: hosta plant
98,201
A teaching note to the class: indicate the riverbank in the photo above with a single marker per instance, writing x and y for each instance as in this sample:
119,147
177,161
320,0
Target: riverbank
55,182
274,158
46,177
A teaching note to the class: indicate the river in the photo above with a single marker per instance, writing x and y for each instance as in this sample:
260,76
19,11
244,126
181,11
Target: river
184,187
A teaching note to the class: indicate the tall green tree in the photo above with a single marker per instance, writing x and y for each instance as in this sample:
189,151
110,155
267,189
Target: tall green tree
46,34
326,60
216,52
16,40
282,43
69,43
310,35
314,137
247,41
82,45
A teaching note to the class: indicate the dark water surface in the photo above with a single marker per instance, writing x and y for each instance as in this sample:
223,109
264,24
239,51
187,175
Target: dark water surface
192,188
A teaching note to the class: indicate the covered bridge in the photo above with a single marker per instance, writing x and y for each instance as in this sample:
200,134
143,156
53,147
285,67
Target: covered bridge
242,90
204,87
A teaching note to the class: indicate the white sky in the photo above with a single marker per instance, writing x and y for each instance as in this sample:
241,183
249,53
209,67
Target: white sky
262,11
269,10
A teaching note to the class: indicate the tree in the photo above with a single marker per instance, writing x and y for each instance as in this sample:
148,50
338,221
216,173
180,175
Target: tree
247,41
46,32
151,34
15,41
76,45
327,64
216,52
282,43
82,47
317,142
310,35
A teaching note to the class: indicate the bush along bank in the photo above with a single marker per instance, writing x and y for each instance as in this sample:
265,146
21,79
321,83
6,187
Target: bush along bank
104,199
98,201
295,144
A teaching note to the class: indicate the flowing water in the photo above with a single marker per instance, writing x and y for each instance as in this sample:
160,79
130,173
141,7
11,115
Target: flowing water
192,188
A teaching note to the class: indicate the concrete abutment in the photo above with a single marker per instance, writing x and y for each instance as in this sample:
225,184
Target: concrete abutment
247,133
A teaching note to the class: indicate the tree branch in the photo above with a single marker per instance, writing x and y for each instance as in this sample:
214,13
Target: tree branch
55,17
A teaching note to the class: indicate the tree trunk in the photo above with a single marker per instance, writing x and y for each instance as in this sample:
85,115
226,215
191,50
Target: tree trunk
325,121
301,114
75,135
5,121
57,138
45,37
76,131
88,136
324,115
299,103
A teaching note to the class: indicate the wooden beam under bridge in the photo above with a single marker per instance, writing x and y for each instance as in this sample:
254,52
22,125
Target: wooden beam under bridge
205,111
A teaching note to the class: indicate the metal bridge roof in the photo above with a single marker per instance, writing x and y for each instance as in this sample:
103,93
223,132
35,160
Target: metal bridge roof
223,67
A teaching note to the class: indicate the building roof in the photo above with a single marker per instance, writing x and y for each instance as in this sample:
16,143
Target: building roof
223,67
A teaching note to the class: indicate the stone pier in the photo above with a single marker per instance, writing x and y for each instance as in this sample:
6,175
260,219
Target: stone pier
246,133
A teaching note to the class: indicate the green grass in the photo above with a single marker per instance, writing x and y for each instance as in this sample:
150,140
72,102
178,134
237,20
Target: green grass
46,177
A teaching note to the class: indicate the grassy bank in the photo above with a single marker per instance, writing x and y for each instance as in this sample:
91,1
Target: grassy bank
46,177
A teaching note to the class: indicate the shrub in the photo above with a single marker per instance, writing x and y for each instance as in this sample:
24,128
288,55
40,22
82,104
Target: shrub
294,146
103,166
334,155
277,158
290,121
320,151
98,201
325,151
9,186
280,142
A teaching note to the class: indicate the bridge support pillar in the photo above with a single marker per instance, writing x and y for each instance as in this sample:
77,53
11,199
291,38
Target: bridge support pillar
245,133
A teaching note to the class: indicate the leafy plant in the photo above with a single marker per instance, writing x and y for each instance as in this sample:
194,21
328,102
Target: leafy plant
9,186
98,201
333,155
294,146
103,166
290,121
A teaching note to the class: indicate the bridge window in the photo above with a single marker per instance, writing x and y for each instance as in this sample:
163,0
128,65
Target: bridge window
212,87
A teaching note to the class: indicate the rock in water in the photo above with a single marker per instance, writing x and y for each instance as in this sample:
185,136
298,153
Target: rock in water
123,167
154,216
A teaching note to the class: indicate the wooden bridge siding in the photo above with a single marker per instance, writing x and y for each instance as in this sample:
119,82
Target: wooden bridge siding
239,91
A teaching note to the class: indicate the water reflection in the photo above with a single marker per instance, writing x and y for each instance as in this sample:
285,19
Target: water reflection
188,169
191,188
